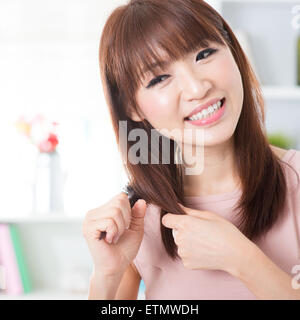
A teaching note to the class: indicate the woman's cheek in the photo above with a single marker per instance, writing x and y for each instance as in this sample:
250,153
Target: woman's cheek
229,74
156,107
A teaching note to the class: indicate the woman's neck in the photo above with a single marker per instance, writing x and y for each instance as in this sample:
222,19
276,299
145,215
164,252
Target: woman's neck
219,173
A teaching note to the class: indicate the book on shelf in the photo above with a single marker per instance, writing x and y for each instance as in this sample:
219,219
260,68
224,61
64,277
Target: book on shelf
14,277
2,278
20,258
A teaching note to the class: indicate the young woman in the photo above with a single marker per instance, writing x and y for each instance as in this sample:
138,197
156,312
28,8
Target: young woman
230,232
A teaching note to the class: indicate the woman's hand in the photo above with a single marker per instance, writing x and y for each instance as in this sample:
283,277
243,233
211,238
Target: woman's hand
206,240
124,233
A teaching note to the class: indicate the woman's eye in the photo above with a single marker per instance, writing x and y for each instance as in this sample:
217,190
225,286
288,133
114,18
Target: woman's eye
155,81
205,53
202,54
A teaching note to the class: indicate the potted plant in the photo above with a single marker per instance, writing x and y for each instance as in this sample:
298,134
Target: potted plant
281,140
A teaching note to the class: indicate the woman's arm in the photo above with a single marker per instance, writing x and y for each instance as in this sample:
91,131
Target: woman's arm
129,286
123,286
103,287
263,277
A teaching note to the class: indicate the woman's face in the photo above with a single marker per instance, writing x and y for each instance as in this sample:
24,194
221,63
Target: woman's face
206,74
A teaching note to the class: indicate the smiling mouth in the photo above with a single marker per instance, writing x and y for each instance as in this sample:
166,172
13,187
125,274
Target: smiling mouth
208,115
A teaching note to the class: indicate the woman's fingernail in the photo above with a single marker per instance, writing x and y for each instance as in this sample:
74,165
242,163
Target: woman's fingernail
116,239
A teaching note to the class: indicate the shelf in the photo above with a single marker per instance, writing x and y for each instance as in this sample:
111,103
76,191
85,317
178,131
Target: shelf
279,92
53,295
50,218
45,295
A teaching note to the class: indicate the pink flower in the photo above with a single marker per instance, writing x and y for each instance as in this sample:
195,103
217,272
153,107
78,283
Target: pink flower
40,132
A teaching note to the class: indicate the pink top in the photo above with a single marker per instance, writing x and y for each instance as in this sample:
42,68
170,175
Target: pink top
167,279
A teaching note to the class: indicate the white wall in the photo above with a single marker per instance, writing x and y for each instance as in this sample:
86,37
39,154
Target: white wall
49,64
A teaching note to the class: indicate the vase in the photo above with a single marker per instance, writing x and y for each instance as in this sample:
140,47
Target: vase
48,184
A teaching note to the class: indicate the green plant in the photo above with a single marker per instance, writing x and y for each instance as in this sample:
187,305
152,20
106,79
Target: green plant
281,140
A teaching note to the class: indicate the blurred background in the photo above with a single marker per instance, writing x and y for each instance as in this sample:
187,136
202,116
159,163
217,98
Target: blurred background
59,157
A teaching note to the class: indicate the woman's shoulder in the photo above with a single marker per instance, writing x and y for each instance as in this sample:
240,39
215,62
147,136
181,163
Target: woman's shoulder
279,151
291,158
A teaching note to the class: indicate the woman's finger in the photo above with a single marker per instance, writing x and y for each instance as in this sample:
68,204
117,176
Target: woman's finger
104,225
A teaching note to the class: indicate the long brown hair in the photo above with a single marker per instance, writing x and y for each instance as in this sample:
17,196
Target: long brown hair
127,47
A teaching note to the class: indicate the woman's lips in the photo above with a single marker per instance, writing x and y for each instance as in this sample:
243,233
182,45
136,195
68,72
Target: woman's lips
213,118
204,106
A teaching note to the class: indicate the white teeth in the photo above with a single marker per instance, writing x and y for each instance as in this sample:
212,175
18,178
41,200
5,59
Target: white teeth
211,109
206,112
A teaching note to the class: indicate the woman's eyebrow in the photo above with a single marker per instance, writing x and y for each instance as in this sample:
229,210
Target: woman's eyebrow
164,65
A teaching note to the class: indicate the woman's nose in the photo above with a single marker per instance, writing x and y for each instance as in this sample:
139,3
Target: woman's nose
193,85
